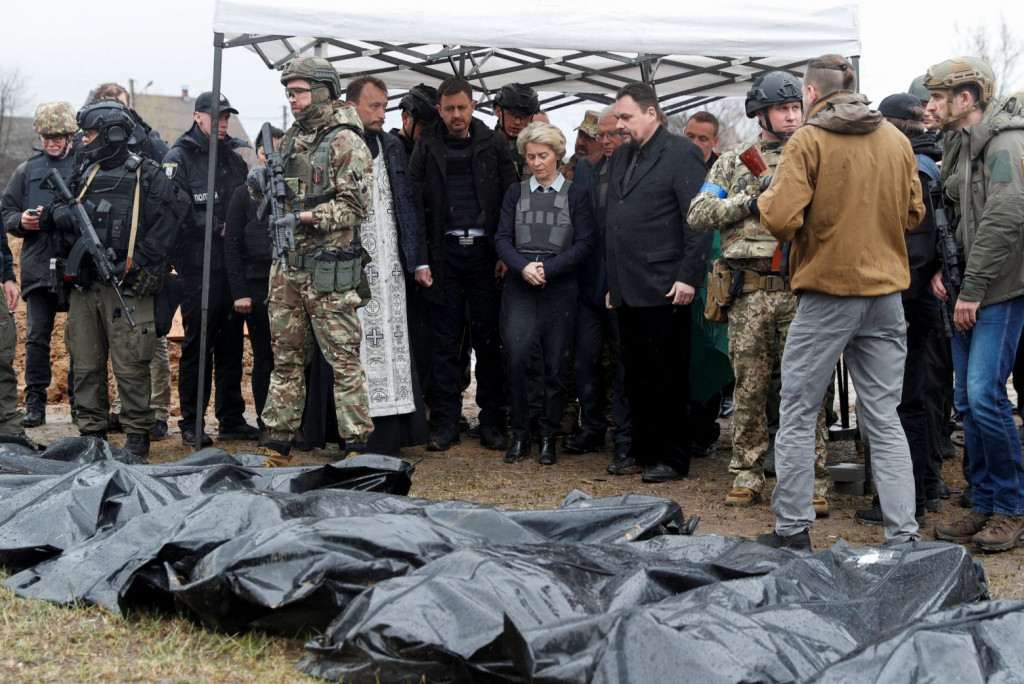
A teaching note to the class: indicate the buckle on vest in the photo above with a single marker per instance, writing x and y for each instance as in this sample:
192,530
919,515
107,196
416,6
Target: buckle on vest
464,241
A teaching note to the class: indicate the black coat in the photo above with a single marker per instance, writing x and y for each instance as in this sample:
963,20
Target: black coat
247,248
649,244
493,172
187,164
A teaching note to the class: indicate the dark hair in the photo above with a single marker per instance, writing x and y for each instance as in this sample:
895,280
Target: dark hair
973,88
453,85
643,95
274,133
830,73
705,117
111,91
909,127
356,85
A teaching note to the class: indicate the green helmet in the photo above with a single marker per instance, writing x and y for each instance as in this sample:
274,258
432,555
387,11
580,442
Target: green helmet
918,90
55,118
958,71
313,69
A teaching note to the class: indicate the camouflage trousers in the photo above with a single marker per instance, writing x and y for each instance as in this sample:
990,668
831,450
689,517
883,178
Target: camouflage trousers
758,325
298,315
10,416
96,327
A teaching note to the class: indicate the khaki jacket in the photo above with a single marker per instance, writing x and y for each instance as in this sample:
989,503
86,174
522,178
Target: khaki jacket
845,191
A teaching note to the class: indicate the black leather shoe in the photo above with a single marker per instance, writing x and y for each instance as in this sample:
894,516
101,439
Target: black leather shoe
492,437
701,450
583,442
137,444
548,454
728,406
517,450
800,541
443,439
239,432
623,463
188,436
34,417
966,499
662,473
114,423
159,431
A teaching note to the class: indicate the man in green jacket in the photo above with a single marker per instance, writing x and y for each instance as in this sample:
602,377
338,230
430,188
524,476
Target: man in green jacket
983,179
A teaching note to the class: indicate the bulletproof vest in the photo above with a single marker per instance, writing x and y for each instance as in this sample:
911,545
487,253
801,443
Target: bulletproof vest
747,239
463,206
35,170
308,173
543,225
109,201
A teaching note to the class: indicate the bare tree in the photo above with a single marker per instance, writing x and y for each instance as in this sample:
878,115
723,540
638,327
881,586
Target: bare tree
12,96
1001,48
734,128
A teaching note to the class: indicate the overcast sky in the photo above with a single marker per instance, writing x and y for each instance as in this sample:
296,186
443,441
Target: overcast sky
65,47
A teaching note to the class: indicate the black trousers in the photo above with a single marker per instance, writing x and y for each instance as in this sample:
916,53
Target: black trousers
920,415
538,316
41,307
469,286
223,351
596,325
258,323
656,353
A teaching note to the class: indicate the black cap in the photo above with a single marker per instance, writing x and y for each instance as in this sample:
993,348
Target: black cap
204,103
898,107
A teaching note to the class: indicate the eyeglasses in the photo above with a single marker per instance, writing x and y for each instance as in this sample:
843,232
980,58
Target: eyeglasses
53,138
610,136
295,92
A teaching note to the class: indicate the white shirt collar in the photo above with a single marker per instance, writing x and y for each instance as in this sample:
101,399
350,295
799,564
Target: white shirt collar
556,185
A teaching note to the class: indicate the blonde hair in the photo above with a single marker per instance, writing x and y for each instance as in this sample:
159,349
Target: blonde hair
543,134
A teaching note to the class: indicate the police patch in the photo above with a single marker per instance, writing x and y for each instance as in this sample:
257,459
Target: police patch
170,170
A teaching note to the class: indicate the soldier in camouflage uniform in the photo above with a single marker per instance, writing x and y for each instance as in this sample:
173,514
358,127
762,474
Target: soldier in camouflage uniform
760,315
329,171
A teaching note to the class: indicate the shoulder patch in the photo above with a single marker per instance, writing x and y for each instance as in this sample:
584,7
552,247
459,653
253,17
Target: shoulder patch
999,167
170,169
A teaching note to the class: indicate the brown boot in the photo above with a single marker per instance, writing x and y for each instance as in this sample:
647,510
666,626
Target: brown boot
962,530
821,508
278,452
742,496
1001,532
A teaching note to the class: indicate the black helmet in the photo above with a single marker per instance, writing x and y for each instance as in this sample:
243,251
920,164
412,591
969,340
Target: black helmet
421,103
772,88
112,119
518,97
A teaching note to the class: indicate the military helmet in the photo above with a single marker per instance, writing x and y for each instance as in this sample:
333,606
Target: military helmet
959,71
772,88
111,118
518,97
918,90
55,118
421,103
313,69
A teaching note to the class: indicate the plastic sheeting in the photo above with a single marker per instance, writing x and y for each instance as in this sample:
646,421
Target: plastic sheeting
596,590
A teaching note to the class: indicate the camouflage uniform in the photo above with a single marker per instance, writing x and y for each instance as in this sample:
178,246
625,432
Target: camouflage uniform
758,320
297,311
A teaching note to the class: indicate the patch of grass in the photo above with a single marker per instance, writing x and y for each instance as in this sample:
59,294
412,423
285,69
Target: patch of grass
41,642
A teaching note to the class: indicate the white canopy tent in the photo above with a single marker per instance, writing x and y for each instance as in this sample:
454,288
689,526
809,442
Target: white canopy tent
568,51
691,52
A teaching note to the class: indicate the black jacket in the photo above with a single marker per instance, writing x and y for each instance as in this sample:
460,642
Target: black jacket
406,217
493,172
147,141
24,192
187,164
922,254
650,246
247,248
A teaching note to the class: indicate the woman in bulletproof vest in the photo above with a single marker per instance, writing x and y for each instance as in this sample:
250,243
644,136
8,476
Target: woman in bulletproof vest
545,234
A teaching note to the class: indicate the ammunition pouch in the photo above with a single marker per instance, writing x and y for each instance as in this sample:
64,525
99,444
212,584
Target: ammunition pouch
333,271
57,285
719,298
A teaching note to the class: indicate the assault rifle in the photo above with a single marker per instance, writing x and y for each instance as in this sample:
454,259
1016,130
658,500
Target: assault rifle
88,243
952,271
275,193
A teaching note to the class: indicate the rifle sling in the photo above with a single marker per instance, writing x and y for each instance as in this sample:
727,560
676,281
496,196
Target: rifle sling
135,213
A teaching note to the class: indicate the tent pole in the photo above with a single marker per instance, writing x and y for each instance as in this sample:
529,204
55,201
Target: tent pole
211,190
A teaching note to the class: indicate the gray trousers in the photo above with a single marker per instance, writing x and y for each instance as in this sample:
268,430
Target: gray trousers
871,334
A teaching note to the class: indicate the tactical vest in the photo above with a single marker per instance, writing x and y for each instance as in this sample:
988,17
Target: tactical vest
543,225
308,173
109,201
747,239
36,169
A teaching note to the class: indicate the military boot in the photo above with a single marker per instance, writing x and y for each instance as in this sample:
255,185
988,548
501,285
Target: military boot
354,449
277,451
137,444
